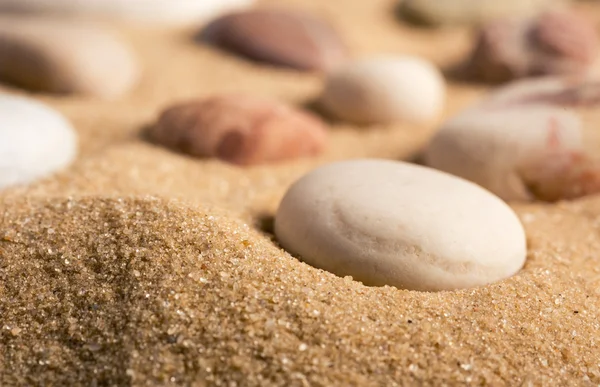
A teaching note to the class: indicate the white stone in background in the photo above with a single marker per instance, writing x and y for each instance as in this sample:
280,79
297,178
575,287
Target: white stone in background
498,146
35,141
385,89
393,223
64,57
144,11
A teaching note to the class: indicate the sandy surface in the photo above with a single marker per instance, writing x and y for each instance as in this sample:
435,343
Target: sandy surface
144,267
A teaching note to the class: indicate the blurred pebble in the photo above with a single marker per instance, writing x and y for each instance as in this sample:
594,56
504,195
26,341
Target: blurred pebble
446,12
385,89
558,42
393,223
240,129
142,11
519,151
279,37
58,56
35,141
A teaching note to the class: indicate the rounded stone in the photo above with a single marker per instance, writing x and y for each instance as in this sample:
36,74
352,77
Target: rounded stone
279,37
558,42
393,223
511,149
142,11
64,57
384,90
35,141
240,129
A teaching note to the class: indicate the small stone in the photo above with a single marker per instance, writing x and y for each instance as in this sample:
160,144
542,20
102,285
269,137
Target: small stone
64,57
393,223
279,37
141,11
518,152
446,12
35,141
240,129
553,43
384,90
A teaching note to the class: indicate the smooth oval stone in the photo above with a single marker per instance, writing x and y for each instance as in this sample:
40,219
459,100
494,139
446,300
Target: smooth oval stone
384,90
240,129
279,37
64,57
35,141
447,12
511,150
143,11
558,42
393,223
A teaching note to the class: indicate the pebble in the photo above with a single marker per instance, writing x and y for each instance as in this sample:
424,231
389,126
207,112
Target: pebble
141,11
384,90
279,37
518,152
392,223
35,141
240,129
558,42
470,12
63,57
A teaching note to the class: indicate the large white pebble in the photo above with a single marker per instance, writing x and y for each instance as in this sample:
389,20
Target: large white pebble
494,146
144,11
392,223
35,141
385,89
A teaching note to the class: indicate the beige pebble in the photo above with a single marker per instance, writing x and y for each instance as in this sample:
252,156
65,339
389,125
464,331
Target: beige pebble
240,129
518,151
64,57
385,89
393,223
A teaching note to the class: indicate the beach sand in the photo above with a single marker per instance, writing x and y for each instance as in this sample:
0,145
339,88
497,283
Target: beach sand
139,266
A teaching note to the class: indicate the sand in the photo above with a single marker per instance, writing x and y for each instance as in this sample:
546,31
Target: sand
138,266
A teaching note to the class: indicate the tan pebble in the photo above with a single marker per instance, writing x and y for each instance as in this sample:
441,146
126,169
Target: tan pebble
240,129
59,56
279,37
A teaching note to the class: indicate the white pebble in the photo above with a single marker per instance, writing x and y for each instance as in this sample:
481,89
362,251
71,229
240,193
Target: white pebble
35,141
384,90
494,146
392,223
144,11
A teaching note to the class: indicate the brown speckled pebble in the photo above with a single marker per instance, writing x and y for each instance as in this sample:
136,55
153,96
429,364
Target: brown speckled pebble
554,43
240,129
279,37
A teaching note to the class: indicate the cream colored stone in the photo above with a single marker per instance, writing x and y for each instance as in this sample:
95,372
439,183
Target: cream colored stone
392,223
385,89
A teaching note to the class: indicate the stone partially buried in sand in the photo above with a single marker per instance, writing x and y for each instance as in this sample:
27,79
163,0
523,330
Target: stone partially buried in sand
279,37
448,12
558,42
384,90
392,223
35,141
64,57
517,151
144,11
240,129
